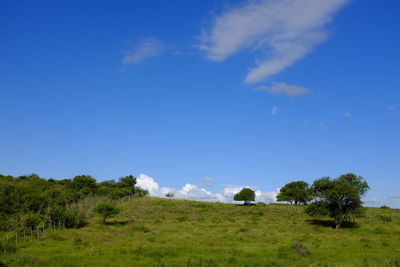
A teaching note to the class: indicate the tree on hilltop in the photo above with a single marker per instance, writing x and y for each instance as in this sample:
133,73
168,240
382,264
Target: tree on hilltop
246,194
295,193
340,198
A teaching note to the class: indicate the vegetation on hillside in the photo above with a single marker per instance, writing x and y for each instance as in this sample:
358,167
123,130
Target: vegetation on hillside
30,202
35,215
166,232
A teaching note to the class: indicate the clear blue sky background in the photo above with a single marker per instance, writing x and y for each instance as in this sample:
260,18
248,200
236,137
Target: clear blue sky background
69,106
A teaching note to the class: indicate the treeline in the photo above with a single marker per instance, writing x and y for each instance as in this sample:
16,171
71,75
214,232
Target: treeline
32,202
339,198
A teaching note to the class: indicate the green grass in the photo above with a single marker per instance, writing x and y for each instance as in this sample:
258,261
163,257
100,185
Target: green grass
165,232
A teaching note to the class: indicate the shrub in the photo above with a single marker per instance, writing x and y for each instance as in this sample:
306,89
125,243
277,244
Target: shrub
385,218
32,220
106,211
74,217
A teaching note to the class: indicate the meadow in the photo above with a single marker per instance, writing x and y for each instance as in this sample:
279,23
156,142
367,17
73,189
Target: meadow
153,231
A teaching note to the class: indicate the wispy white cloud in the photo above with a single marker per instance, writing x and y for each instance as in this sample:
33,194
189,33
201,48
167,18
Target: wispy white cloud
347,114
274,111
394,196
193,192
143,50
207,181
282,30
371,200
283,89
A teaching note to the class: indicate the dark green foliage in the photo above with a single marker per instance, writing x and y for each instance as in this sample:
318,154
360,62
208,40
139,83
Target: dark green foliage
30,202
246,194
106,211
32,220
385,207
295,193
338,198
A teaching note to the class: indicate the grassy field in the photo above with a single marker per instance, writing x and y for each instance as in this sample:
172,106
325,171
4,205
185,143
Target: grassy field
164,232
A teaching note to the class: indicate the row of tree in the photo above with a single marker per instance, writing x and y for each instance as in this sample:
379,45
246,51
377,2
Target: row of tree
340,198
30,201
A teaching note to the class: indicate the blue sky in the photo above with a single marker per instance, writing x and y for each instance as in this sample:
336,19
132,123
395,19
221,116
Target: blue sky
203,96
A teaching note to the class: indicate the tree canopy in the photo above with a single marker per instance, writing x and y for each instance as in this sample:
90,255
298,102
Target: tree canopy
246,194
295,193
339,198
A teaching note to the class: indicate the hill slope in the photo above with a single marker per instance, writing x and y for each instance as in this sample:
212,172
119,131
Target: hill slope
164,232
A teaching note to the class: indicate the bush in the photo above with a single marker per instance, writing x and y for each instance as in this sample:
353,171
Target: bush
106,211
75,216
385,218
32,220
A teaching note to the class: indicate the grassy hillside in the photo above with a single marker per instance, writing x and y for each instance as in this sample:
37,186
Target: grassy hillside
164,232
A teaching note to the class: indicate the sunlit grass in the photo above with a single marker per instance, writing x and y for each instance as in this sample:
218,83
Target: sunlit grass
165,232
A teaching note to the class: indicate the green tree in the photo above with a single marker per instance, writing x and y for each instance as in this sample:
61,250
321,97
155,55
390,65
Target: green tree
84,185
128,182
338,198
246,194
295,192
106,211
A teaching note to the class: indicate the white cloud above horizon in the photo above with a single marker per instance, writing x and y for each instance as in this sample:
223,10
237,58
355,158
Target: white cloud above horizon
283,30
193,192
143,50
283,89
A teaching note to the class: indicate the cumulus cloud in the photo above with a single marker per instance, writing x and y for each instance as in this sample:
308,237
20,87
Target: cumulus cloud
284,31
145,49
284,89
274,111
193,192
